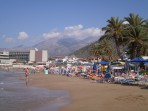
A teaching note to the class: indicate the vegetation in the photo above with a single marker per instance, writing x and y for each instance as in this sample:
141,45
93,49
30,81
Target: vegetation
144,72
128,35
114,30
104,50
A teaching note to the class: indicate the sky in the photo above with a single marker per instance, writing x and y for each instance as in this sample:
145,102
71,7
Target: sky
28,22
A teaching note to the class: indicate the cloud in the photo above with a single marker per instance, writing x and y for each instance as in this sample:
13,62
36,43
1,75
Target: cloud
51,35
23,36
76,27
9,40
84,33
125,22
77,31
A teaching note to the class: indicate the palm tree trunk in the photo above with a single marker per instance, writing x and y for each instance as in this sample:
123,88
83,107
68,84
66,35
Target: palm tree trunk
118,48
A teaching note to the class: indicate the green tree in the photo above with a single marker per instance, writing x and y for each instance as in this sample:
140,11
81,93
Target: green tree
104,50
136,35
134,20
95,50
137,41
115,30
108,49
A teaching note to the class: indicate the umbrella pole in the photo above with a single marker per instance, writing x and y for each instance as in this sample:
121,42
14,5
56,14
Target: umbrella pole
138,68
145,69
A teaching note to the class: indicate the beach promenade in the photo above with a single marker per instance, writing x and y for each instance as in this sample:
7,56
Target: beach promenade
87,95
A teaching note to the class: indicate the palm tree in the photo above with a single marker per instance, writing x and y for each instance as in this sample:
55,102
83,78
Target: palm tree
104,50
134,20
137,40
95,50
114,30
136,35
108,49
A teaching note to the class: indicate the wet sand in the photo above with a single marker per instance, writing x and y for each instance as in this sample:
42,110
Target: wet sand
87,95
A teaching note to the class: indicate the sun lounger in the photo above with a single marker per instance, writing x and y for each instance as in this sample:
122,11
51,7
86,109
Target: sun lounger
118,79
128,81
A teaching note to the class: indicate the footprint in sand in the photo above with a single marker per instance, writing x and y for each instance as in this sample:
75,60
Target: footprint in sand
132,99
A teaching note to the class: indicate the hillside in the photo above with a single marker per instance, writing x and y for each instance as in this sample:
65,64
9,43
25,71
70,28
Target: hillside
84,52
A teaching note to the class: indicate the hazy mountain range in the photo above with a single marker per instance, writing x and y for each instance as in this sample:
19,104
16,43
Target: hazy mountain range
57,46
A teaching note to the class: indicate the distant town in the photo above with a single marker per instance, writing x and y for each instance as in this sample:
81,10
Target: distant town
35,57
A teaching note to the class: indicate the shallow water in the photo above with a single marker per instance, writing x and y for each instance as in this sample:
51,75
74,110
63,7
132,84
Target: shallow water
16,96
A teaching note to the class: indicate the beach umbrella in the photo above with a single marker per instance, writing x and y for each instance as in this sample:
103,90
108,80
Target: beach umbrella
80,67
103,63
118,63
40,67
146,61
122,63
137,60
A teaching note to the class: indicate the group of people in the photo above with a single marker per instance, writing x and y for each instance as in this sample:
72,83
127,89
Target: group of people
99,74
85,71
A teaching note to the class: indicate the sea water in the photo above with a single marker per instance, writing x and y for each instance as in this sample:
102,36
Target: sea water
16,96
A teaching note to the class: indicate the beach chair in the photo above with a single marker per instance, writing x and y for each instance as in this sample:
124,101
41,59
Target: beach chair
128,81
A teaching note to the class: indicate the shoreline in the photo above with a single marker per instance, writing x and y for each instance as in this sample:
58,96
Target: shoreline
15,95
87,95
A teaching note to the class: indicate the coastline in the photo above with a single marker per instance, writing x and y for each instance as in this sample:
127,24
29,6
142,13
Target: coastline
87,95
16,96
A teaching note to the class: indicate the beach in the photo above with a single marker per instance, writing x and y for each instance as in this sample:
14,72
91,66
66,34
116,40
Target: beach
87,95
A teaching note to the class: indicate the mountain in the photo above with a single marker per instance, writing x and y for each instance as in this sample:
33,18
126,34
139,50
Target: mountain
64,46
84,52
21,47
17,48
59,46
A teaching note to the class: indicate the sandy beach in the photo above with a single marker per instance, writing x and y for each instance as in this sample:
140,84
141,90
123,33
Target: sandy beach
87,95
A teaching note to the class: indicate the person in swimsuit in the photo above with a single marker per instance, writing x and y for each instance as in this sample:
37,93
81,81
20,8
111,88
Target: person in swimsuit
27,74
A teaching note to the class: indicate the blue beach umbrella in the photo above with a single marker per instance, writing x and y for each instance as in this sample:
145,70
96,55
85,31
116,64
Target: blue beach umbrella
103,63
137,60
146,61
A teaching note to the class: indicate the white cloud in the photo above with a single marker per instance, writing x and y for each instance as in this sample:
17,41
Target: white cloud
125,22
9,40
76,27
80,32
23,36
77,31
51,35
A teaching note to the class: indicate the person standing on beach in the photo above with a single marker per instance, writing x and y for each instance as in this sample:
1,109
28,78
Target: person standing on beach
27,74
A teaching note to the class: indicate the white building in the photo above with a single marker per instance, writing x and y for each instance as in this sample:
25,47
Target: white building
4,57
38,56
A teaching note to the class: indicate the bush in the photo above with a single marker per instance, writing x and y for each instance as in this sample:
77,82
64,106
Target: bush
143,72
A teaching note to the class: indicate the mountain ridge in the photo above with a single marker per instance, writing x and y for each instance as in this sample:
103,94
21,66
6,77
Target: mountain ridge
57,46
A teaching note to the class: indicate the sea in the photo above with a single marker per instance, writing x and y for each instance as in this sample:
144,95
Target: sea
15,95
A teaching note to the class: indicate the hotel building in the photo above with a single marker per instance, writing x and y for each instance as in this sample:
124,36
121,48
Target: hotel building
31,56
